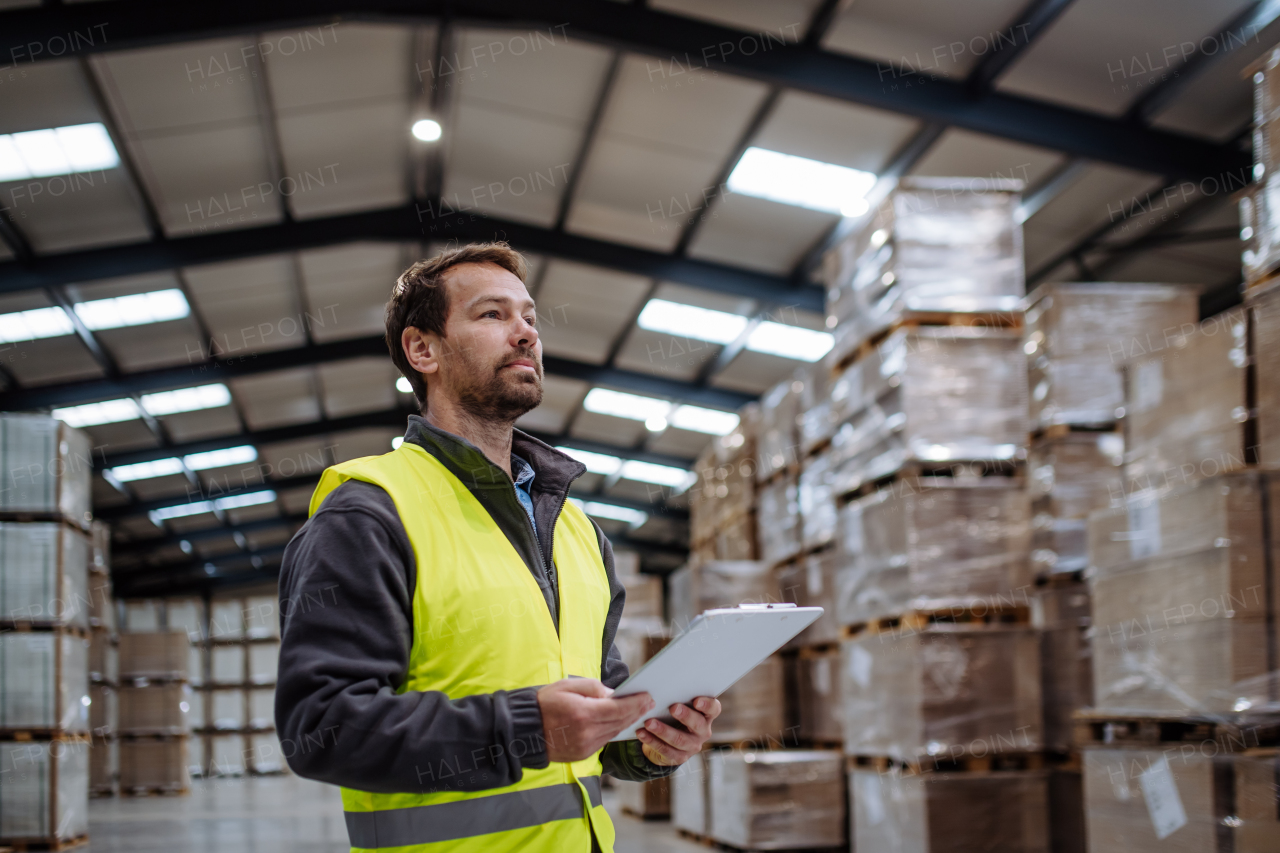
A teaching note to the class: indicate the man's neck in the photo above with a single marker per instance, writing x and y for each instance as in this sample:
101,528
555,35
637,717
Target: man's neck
493,438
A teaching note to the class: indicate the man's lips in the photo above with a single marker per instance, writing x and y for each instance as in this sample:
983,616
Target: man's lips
522,362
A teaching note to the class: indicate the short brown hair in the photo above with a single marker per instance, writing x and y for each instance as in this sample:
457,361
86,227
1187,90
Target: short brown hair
419,298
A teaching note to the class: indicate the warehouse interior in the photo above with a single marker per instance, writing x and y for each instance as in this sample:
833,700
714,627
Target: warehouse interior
956,320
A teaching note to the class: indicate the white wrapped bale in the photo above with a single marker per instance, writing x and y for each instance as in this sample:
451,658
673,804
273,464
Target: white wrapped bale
44,790
44,576
44,681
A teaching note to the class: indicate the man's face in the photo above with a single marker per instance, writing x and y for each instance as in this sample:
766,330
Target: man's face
491,355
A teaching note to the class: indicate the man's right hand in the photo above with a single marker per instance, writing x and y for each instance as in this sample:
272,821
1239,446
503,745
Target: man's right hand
579,718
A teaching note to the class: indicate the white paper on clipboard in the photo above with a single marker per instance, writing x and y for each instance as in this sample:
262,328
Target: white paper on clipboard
717,649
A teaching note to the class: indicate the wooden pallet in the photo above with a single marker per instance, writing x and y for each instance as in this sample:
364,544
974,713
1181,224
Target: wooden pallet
991,763
1231,732
969,616
648,818
915,319
156,791
711,843
1056,431
43,734
25,626
917,475
20,845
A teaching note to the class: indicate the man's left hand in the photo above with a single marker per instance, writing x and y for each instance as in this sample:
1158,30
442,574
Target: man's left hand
667,745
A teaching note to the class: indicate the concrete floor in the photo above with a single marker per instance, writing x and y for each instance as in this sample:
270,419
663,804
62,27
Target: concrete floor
277,814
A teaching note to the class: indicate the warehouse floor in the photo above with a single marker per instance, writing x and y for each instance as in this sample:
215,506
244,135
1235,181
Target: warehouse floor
278,814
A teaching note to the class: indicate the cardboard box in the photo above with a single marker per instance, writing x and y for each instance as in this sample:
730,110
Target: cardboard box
1079,333
44,681
689,796
1064,615
154,764
157,709
819,695
49,464
1070,476
44,577
157,655
1003,812
942,692
46,790
778,799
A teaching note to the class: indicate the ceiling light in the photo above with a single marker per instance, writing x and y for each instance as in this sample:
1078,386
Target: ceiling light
800,181
597,463
602,401
186,399
690,321
56,151
656,423
241,455
179,511
250,499
403,386
427,130
134,310
662,475
396,442
790,341
709,421
94,414
632,517
34,324
147,470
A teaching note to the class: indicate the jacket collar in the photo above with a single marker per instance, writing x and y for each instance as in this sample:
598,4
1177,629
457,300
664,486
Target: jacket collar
554,471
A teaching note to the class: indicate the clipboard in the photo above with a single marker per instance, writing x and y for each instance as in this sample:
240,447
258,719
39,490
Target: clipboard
707,658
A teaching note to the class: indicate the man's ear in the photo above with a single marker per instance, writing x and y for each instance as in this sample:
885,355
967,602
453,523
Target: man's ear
422,349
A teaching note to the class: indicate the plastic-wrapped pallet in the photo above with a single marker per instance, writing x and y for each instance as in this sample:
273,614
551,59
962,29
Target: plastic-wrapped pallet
1078,335
1187,406
1064,614
778,443
778,519
264,661
938,692
266,754
814,418
45,793
682,597
1264,308
104,766
904,812
227,664
936,244
1071,475
185,614
1182,599
954,394
817,499
48,466
648,800
142,616
226,755
104,710
102,603
150,764
157,709
933,542
1175,800
44,681
227,709
262,713
689,796
776,800
644,595
103,658
818,682
754,709
261,617
155,655
44,575
728,583
811,582
1259,204
226,619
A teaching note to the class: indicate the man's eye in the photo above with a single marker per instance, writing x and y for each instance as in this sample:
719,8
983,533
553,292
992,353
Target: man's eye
489,314
532,321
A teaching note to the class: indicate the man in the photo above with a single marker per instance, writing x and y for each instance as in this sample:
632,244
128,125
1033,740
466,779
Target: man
447,650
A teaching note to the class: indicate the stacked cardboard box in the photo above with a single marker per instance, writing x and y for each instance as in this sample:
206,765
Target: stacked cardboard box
722,500
1264,325
154,699
776,800
44,632
1259,204
104,756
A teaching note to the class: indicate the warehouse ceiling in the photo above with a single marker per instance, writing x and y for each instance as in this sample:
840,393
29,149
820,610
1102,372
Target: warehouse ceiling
266,172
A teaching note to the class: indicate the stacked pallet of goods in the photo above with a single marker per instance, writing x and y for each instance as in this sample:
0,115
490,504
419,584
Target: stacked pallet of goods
1077,337
44,633
155,698
1180,750
642,632
104,757
752,787
939,673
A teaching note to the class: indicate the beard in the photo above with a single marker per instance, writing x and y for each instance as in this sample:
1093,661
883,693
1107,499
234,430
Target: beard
494,393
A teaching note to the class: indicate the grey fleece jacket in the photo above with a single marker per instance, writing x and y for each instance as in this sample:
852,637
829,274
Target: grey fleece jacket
346,589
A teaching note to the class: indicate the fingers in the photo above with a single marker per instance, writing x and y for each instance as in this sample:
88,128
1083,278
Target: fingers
682,741
692,720
628,708
708,706
659,751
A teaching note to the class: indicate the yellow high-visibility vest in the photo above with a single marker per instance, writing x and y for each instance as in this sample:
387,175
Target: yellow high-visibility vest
481,624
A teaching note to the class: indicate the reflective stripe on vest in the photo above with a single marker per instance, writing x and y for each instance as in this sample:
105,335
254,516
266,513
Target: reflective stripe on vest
452,821
481,624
